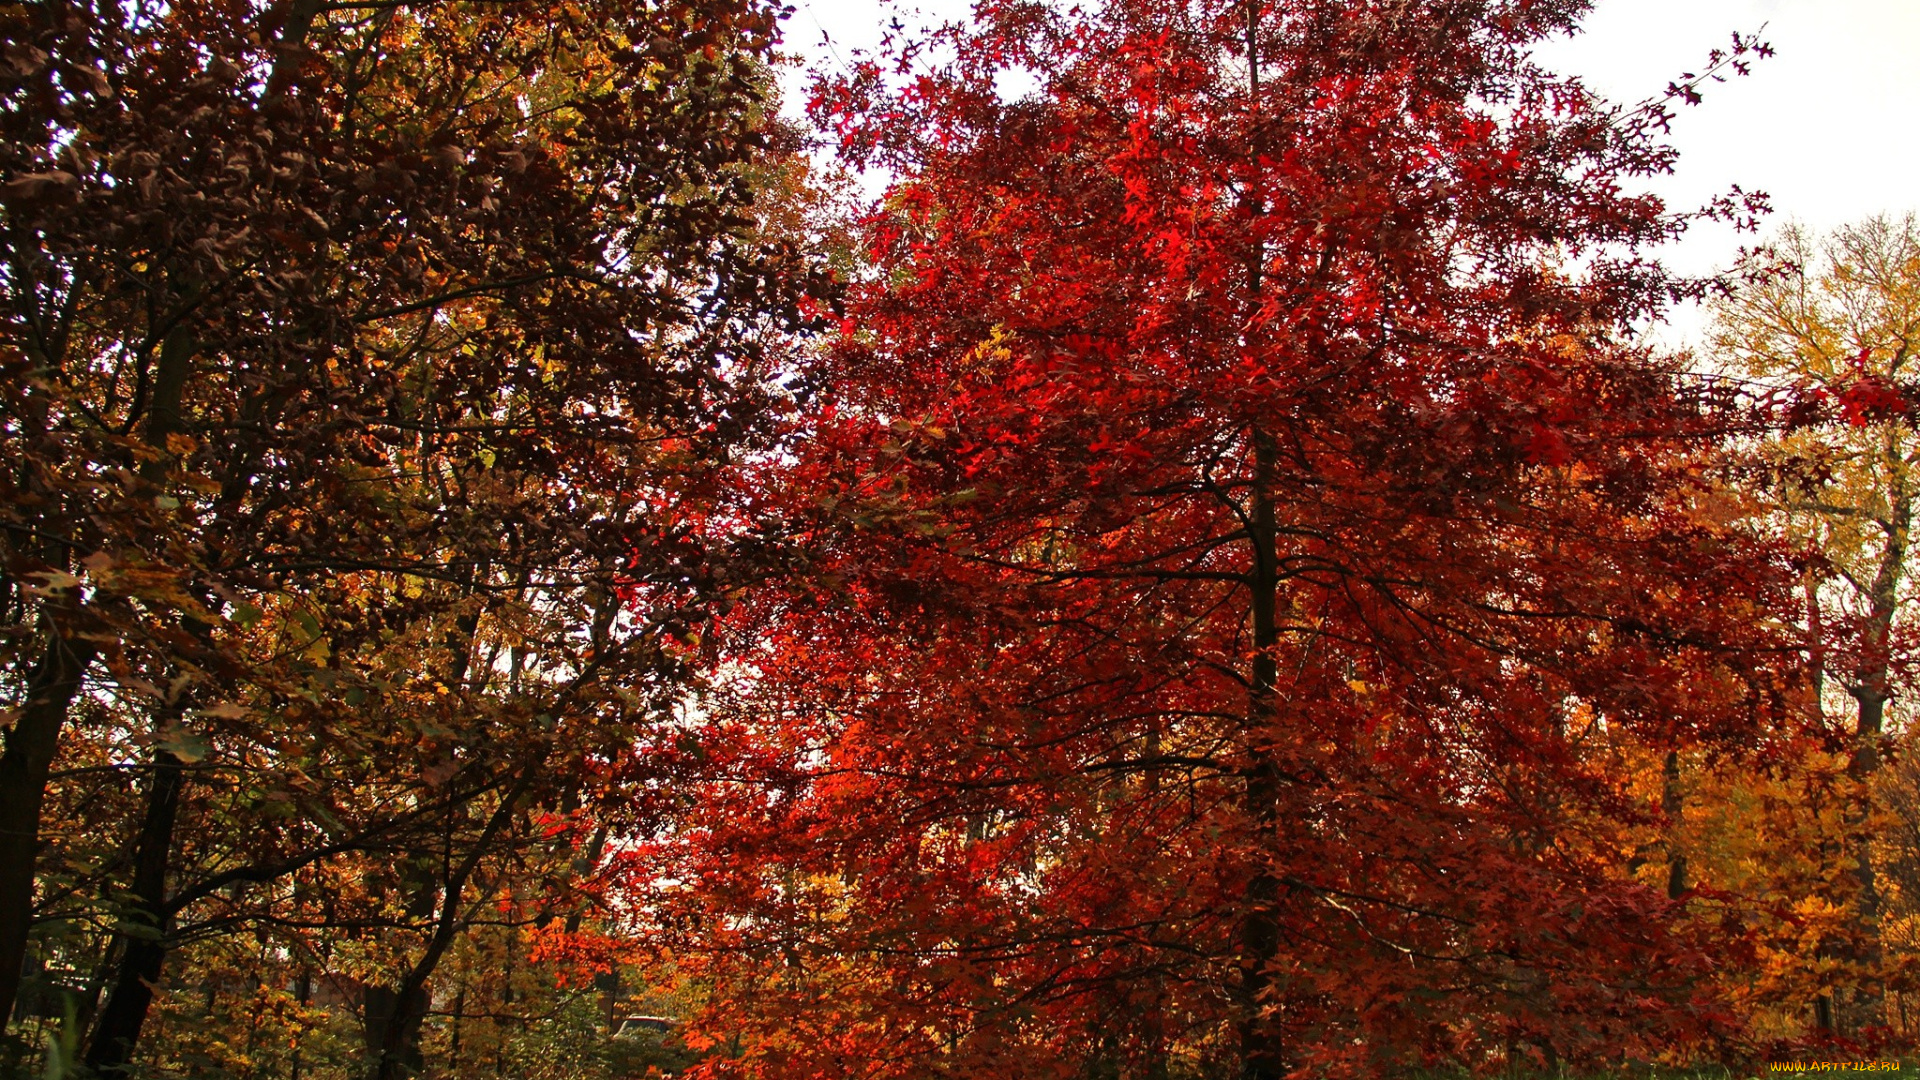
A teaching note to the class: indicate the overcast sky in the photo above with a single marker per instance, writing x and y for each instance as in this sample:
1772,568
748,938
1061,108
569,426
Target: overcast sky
1829,127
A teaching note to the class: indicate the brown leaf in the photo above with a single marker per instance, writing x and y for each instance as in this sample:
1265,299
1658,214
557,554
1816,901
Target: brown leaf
40,185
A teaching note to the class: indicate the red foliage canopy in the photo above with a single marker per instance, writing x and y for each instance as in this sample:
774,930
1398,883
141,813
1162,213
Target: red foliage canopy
1243,548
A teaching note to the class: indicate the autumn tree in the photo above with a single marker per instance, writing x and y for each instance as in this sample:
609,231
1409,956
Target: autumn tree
368,371
1236,535
1837,319
1839,316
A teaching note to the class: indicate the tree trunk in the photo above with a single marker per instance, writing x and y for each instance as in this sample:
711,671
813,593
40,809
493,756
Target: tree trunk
393,1044
303,994
1871,689
459,1014
1672,806
35,736
144,950
24,766
1262,1048
1262,1052
394,1015
1864,764
393,1020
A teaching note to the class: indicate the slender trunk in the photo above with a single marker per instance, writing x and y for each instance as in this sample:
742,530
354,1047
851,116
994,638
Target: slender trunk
35,735
143,944
1153,1034
1871,686
255,1011
1672,806
1262,1050
144,947
24,766
1817,671
303,994
1868,995
394,1014
118,1026
1871,689
395,1046
1864,763
97,984
506,1004
459,1014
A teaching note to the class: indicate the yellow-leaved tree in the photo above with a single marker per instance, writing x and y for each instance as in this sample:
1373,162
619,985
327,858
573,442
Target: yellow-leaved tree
1838,317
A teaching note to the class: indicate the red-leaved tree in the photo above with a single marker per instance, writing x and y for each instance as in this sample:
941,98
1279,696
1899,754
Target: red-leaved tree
1239,546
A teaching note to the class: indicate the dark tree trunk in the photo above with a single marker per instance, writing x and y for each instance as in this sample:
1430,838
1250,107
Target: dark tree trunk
143,951
393,1042
453,1041
1672,806
394,1015
393,1021
1262,1053
1871,689
35,737
1864,763
1262,1048
303,993
24,765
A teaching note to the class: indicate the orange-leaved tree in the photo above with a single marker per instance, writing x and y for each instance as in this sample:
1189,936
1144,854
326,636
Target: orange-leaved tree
367,372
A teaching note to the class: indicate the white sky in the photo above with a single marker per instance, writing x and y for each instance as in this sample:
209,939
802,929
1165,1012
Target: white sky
1829,127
